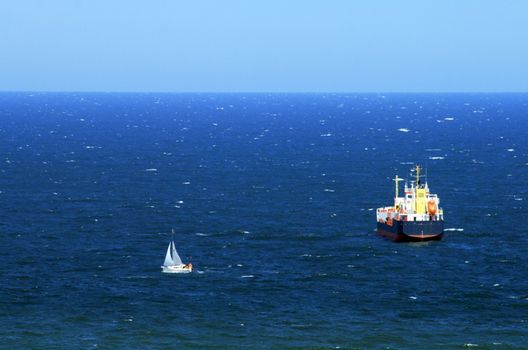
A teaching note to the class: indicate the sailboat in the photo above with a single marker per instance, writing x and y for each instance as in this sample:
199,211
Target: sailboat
173,263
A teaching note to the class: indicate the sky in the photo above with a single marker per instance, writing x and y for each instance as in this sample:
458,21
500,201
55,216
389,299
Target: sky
264,45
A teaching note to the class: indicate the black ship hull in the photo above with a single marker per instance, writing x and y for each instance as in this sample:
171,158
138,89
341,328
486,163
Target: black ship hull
412,231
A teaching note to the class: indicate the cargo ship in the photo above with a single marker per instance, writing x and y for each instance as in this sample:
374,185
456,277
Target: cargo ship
416,217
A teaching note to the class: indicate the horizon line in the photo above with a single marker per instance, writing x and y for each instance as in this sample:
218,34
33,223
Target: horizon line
256,92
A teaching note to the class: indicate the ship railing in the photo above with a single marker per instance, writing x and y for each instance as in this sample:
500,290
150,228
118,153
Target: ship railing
419,217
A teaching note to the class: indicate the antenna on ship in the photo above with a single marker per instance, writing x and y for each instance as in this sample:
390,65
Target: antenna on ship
426,167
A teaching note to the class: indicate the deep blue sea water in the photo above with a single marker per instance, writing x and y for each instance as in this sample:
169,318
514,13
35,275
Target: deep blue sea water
272,197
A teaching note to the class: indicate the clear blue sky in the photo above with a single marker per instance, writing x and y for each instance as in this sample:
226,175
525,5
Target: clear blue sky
264,45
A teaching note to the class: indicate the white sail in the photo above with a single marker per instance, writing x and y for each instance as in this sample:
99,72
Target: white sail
175,257
168,260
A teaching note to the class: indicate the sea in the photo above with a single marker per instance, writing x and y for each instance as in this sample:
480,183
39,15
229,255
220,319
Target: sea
272,198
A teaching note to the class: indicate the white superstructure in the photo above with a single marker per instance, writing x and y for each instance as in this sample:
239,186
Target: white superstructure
418,204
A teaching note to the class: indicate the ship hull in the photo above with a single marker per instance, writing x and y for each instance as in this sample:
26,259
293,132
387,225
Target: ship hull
412,231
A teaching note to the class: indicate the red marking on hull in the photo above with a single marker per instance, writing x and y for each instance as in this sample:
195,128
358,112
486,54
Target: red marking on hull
422,236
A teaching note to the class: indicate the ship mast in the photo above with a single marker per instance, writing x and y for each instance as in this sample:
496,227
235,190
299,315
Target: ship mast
418,175
396,181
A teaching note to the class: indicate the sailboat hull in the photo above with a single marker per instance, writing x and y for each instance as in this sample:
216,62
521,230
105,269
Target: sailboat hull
176,269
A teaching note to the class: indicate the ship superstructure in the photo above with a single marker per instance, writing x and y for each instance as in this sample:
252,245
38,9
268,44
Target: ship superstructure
416,216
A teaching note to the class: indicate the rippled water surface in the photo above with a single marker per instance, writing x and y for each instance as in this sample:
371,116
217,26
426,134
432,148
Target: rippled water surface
273,199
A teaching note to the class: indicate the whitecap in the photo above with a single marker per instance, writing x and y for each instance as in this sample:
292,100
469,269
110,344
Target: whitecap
404,130
437,158
454,229
449,118
247,276
151,169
